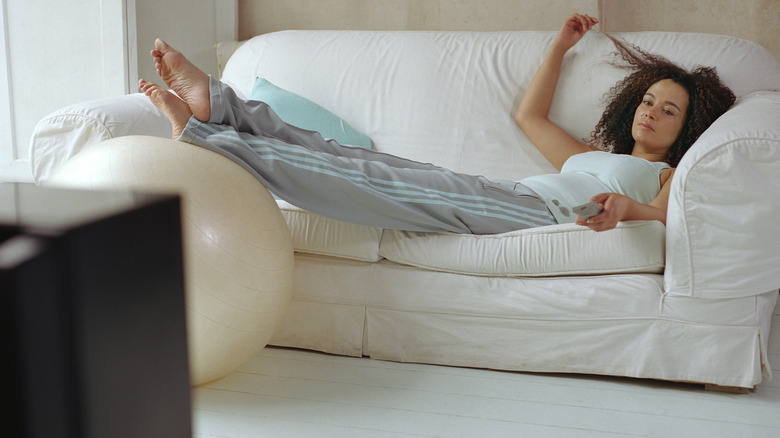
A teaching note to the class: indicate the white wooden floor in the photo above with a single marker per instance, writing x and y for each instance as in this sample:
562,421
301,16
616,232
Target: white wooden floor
291,393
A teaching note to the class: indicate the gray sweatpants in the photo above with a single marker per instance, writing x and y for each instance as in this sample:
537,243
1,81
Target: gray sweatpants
356,184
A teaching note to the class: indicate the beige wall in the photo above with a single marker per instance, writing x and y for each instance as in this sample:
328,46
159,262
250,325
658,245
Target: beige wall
755,20
261,16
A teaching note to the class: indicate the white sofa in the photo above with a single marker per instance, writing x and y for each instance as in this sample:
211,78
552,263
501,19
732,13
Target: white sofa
691,301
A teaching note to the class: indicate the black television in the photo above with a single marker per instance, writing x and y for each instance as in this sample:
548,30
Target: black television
93,314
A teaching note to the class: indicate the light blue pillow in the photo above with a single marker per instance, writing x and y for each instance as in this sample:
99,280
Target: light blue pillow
303,113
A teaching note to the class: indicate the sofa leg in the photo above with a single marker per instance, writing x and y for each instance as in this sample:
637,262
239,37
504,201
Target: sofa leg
726,389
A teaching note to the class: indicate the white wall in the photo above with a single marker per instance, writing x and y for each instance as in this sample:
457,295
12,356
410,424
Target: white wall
57,53
52,54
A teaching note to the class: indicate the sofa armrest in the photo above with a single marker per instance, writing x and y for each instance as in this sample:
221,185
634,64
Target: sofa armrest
66,131
722,222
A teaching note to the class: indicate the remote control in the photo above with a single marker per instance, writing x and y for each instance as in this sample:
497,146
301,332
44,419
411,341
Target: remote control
587,210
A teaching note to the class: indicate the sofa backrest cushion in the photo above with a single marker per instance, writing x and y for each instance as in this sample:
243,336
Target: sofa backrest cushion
449,97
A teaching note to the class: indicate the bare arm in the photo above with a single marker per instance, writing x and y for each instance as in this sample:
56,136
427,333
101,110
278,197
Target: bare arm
532,114
622,208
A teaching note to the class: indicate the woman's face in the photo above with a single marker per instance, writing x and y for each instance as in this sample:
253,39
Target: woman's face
659,118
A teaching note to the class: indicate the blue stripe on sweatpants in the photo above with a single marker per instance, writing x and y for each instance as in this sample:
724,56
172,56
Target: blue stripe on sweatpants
356,184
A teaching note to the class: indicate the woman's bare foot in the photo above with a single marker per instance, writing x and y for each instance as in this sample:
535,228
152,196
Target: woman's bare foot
177,110
183,77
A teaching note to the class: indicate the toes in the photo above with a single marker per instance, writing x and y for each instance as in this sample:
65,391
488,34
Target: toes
149,88
161,46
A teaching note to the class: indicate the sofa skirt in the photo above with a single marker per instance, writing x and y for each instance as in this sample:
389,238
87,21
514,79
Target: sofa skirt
619,324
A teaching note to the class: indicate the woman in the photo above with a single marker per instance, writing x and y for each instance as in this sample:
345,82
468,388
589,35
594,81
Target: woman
376,189
655,114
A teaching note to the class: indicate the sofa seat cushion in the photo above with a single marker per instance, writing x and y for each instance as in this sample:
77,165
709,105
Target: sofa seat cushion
315,234
568,249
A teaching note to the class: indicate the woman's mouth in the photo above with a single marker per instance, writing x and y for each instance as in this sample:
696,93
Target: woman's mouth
647,126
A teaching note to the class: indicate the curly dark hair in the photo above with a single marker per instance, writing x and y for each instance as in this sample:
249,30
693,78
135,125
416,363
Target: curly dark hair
708,99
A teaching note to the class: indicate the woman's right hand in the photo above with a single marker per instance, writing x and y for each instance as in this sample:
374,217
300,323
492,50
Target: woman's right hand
574,28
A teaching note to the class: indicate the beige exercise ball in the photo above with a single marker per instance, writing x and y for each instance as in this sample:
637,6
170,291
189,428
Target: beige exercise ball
238,253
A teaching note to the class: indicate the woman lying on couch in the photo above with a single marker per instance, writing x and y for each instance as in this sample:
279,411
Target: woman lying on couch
654,116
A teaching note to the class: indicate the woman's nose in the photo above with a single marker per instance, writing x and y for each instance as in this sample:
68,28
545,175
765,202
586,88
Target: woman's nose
652,113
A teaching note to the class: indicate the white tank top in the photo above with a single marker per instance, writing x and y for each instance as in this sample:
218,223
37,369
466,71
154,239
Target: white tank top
588,174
